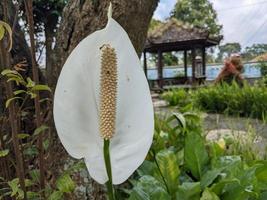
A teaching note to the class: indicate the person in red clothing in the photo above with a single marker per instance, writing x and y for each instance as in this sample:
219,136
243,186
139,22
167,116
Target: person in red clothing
232,71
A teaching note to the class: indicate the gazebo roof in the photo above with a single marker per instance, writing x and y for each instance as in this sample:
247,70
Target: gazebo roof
176,35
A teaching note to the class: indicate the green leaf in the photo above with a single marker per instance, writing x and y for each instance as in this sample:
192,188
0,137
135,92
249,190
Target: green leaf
149,188
261,175
169,169
209,195
41,87
195,154
56,195
218,188
189,191
10,100
4,153
209,177
9,31
2,31
16,191
23,135
33,195
138,194
35,175
180,118
19,92
30,83
150,168
65,184
40,129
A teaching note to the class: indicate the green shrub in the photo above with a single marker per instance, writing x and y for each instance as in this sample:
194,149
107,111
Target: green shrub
176,97
248,101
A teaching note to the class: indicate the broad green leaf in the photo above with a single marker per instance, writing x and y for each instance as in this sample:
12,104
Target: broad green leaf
4,153
261,174
9,31
209,195
188,191
138,194
263,196
169,169
218,188
149,188
40,129
65,184
195,154
209,177
150,168
41,87
10,100
56,195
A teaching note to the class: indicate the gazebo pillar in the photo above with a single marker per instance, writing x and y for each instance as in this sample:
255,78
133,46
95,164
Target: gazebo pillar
193,64
185,64
204,60
160,70
145,64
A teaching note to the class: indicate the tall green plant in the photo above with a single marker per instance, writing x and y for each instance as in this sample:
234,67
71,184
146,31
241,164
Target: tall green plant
190,168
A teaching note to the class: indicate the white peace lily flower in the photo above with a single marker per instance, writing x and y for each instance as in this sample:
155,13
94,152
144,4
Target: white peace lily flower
77,106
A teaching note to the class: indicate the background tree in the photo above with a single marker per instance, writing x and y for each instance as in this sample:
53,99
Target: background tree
228,49
254,51
199,13
47,14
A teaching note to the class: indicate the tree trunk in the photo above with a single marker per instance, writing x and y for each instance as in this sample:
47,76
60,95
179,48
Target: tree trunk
49,35
83,17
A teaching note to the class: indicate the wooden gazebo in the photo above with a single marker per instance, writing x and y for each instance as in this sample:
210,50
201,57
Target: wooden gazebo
177,36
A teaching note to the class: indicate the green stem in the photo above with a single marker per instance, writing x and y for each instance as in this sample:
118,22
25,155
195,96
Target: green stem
109,184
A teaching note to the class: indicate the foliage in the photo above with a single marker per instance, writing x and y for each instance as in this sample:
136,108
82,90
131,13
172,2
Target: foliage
25,93
249,101
176,97
263,68
228,49
199,13
5,28
47,13
254,51
182,165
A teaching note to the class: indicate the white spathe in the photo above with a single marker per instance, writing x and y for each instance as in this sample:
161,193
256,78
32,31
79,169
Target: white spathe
76,106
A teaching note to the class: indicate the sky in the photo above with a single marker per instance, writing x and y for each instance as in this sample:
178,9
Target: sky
244,21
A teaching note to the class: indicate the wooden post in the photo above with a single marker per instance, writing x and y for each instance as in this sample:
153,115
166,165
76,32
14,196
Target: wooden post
145,64
204,60
160,70
193,64
185,64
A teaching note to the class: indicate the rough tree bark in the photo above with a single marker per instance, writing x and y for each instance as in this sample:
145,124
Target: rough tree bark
80,18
